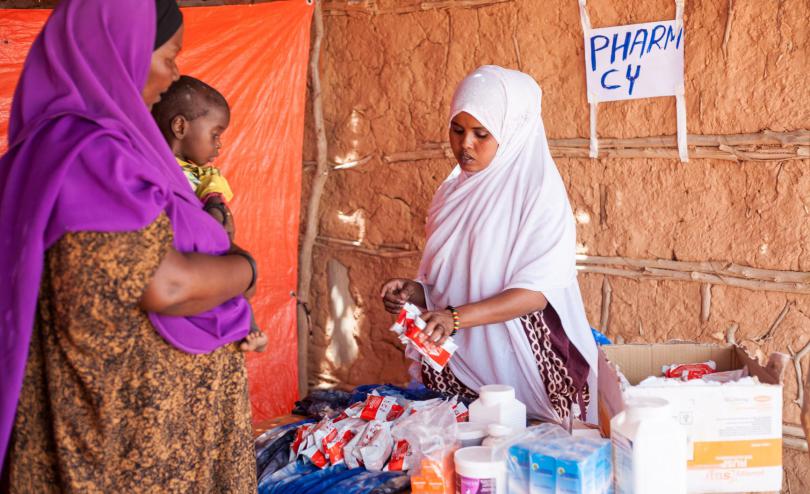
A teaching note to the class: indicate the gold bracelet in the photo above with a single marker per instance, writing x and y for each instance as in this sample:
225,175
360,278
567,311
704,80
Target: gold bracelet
456,319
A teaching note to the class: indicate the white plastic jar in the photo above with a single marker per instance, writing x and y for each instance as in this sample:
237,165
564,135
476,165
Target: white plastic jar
478,470
497,434
649,448
496,404
471,434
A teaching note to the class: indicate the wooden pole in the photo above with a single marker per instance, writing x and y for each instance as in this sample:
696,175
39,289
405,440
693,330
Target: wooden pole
775,324
760,146
387,252
705,302
711,272
604,320
806,406
341,7
764,146
719,268
727,31
797,357
314,203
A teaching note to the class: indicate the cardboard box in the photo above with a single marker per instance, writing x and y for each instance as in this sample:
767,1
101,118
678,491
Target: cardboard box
735,432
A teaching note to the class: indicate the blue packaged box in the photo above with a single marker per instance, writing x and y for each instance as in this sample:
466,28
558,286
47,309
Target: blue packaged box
543,477
518,469
568,466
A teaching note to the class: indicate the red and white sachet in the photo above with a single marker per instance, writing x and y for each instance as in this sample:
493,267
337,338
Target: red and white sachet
346,430
384,409
409,327
311,444
461,411
401,458
687,372
357,452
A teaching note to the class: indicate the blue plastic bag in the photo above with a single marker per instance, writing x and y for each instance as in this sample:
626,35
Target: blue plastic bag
417,393
600,338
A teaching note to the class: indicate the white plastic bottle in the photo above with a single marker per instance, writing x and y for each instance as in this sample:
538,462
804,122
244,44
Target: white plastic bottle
649,449
496,404
497,434
480,470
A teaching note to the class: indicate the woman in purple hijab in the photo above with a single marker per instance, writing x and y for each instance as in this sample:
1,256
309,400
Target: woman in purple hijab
119,296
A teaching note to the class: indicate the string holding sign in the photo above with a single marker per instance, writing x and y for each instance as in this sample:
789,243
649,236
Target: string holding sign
680,96
586,28
635,61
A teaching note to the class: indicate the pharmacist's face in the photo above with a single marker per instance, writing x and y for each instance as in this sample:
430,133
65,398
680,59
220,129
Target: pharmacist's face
473,145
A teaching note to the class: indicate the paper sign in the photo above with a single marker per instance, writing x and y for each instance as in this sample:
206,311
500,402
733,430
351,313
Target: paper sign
634,61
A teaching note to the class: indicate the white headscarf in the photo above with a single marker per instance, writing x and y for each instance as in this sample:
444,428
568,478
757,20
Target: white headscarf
507,226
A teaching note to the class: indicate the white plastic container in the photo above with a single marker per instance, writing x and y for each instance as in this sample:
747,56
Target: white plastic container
478,470
497,434
471,434
649,448
497,404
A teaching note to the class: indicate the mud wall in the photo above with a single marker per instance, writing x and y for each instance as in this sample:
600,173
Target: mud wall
388,72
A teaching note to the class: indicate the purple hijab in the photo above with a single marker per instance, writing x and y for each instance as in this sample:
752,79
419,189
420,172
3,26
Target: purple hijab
85,155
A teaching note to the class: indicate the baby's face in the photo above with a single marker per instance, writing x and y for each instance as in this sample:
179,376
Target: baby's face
202,143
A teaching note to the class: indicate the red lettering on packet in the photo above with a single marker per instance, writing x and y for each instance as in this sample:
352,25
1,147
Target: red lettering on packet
381,408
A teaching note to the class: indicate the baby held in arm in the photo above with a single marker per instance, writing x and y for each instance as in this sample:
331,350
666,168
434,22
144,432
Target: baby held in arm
192,117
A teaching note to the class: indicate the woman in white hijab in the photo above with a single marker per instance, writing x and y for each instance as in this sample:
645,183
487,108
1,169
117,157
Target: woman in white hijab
500,255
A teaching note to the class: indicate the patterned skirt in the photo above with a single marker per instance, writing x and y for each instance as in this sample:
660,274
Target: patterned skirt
561,368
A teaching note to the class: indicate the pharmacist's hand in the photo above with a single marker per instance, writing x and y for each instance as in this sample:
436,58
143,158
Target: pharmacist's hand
439,326
397,291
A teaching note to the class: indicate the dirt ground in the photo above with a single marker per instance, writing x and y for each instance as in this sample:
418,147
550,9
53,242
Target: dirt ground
387,83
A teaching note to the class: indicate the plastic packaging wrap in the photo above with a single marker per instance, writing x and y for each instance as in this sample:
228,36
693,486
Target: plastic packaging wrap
431,437
726,376
516,451
569,464
417,406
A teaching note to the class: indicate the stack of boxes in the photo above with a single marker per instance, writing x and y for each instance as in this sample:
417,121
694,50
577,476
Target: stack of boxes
568,465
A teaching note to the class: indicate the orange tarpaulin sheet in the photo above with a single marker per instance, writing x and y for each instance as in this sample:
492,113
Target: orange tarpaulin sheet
256,55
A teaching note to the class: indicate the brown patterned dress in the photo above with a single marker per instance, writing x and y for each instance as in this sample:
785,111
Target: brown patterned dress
107,405
561,368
